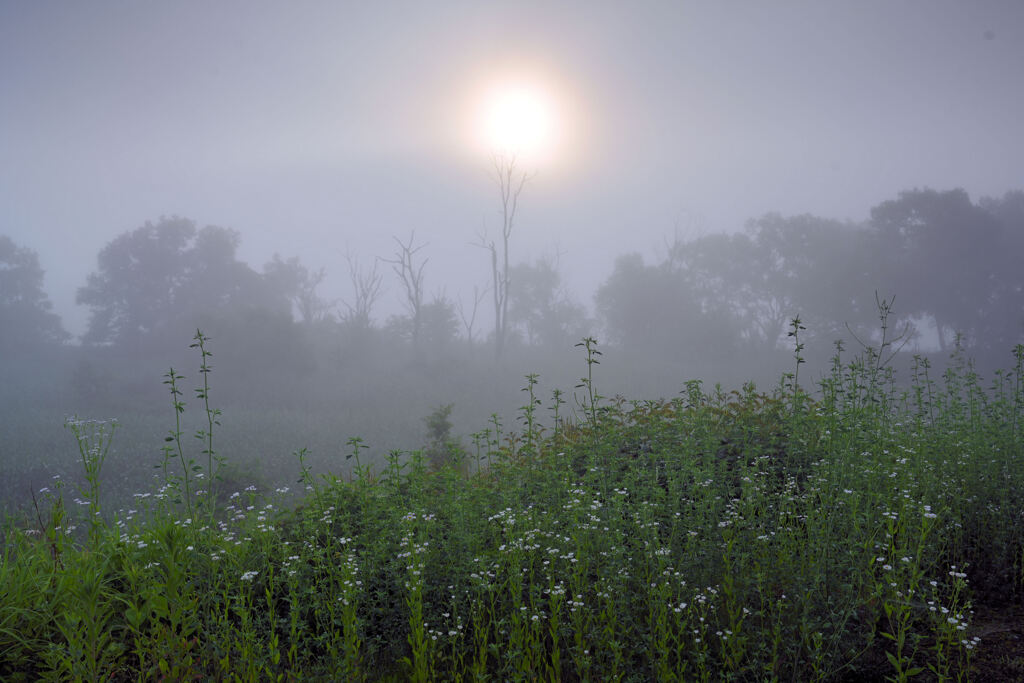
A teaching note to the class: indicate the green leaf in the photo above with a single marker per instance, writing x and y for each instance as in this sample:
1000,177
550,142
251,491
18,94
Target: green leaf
159,604
135,617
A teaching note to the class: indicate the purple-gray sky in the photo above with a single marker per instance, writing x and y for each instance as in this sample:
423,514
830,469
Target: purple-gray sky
316,127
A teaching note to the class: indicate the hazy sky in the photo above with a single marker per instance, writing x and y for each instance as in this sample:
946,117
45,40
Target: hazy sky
316,127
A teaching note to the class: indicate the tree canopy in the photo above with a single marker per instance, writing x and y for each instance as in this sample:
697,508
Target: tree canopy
541,309
169,274
935,250
26,318
953,266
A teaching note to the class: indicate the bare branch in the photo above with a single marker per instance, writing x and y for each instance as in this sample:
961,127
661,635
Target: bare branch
367,286
468,322
411,275
510,184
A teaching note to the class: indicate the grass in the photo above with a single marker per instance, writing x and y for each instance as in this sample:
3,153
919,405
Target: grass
856,533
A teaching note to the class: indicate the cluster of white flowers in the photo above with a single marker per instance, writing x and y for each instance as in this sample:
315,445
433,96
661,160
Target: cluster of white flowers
972,643
423,516
287,565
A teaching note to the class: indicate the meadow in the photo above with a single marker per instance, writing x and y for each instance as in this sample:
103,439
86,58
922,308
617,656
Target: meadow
859,529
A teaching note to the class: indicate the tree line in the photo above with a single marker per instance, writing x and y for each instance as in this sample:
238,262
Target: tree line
953,265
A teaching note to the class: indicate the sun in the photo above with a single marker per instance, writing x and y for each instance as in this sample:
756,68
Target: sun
519,120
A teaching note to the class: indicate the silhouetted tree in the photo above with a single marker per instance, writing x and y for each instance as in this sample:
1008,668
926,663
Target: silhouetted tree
132,293
804,266
163,277
1004,326
439,325
935,251
627,302
713,271
511,183
366,290
410,274
468,318
540,306
25,316
659,310
215,281
299,284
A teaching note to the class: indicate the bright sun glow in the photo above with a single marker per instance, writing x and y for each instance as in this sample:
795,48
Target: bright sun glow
519,120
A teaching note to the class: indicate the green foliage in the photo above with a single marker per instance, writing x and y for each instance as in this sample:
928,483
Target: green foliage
740,535
441,448
192,471
94,438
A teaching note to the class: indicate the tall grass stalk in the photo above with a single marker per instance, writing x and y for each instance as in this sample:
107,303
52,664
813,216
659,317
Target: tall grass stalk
205,434
93,438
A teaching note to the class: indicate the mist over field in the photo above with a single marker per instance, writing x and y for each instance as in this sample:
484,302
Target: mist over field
319,189
458,341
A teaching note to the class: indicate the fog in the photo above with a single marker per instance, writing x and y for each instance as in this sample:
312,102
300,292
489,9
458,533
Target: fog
762,160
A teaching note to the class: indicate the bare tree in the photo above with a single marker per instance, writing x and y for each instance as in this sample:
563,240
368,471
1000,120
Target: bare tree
367,286
469,320
312,307
510,182
299,284
411,275
694,227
